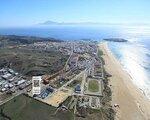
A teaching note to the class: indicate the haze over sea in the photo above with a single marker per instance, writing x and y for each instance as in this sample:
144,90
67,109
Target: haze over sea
133,55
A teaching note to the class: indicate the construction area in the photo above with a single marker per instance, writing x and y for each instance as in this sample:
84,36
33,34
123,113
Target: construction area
58,97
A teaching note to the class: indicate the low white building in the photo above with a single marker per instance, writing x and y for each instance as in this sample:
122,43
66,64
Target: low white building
21,82
36,85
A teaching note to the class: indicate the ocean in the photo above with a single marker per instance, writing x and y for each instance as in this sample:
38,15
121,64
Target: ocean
133,55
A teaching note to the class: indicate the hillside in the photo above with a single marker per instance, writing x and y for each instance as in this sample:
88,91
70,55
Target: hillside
20,54
14,39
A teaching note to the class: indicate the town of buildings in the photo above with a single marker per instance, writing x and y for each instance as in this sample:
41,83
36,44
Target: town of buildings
81,78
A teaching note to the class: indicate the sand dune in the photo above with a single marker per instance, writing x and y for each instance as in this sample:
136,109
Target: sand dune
133,104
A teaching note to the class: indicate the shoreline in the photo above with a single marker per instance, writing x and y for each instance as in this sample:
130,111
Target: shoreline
133,103
125,70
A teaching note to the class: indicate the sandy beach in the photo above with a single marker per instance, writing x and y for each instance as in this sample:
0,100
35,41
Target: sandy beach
133,105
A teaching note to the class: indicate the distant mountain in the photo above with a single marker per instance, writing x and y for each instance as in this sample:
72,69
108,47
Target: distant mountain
15,39
68,23
49,22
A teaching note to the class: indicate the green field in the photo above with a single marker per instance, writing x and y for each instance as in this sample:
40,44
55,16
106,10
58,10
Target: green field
26,108
93,86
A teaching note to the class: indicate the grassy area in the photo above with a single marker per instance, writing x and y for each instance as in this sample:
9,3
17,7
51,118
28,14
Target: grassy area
26,108
67,101
93,86
32,62
93,114
100,52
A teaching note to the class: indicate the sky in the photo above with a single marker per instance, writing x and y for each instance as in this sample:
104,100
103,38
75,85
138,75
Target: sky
31,12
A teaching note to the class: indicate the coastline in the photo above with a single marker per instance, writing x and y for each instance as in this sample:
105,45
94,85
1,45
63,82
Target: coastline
133,105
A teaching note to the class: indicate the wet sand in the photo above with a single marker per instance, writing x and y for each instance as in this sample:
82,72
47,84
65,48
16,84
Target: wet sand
133,105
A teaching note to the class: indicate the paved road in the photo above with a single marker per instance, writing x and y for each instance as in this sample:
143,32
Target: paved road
64,86
83,82
71,80
14,95
10,98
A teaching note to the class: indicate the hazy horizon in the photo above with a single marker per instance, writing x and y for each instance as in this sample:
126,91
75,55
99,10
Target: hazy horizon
32,12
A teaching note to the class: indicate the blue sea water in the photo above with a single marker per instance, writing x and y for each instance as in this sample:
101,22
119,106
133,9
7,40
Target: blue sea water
133,55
